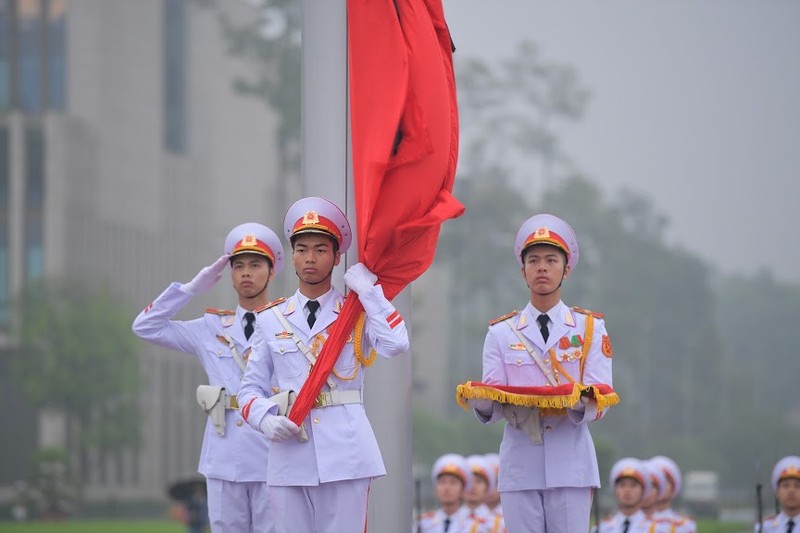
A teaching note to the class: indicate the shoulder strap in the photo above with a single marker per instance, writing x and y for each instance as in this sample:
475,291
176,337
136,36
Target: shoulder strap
548,373
300,344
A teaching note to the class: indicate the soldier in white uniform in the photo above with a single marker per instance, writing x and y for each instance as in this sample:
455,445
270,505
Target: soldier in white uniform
451,478
786,486
234,456
628,480
548,464
497,524
319,477
664,511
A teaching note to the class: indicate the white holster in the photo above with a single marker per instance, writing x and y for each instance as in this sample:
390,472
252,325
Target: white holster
525,419
213,399
284,400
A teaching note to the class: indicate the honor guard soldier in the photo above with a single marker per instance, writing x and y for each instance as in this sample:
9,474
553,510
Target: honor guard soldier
786,486
664,511
319,473
548,464
233,457
628,480
496,521
482,479
451,478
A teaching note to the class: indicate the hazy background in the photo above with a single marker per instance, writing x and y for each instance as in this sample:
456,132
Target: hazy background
692,103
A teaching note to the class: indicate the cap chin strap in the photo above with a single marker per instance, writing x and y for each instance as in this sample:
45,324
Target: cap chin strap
554,290
256,295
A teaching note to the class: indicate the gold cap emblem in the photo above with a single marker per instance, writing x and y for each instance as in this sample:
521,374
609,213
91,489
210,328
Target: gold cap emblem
249,240
543,233
311,217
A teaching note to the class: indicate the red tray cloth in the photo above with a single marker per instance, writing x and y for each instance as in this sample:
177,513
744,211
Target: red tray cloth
552,400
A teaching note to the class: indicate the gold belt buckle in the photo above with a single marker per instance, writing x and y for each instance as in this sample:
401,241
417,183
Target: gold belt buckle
233,401
321,400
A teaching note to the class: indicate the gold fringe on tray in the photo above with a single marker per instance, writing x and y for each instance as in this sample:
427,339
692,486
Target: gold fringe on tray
551,405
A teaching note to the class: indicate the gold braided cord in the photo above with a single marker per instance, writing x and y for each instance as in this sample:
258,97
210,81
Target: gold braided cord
358,335
316,347
588,333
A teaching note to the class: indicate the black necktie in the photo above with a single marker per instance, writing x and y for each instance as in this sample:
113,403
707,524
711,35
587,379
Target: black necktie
625,525
542,320
790,526
446,524
250,318
313,306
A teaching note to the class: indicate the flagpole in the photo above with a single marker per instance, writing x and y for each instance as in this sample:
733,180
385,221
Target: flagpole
327,170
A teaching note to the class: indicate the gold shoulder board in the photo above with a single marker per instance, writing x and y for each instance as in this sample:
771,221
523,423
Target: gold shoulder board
220,312
504,317
271,304
583,311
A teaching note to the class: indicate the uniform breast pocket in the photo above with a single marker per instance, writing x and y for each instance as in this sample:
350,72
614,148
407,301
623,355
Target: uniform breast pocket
518,358
287,358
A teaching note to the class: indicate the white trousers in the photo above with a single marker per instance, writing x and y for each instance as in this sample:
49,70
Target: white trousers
335,507
560,510
239,507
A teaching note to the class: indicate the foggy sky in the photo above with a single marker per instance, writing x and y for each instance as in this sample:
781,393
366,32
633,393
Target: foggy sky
693,104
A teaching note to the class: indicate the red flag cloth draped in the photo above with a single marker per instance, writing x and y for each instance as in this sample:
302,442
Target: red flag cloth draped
404,123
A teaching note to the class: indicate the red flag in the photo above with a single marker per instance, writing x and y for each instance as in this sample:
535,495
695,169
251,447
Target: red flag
404,123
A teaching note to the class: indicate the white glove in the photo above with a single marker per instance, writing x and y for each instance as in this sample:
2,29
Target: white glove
207,277
359,279
278,428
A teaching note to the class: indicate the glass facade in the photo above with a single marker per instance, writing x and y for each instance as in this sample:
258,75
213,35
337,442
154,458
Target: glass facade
175,106
33,243
5,226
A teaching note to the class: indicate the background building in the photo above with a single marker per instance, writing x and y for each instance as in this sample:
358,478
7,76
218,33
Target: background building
126,154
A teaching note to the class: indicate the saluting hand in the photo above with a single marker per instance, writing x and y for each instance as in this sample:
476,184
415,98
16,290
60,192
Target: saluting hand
207,277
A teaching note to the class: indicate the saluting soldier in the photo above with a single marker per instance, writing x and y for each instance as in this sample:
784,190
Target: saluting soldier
786,486
233,457
319,473
548,464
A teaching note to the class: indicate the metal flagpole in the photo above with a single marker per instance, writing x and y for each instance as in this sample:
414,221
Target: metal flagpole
327,171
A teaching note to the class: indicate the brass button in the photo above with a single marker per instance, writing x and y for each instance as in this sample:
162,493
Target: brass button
239,423
316,420
519,361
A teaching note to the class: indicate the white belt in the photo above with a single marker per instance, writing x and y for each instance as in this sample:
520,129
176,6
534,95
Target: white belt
338,397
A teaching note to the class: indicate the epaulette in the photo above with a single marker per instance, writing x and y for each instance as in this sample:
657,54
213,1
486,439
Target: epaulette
504,317
583,311
273,303
429,514
220,312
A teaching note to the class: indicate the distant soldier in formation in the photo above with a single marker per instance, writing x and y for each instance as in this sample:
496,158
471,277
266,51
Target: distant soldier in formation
663,512
451,477
629,481
233,457
786,486
496,522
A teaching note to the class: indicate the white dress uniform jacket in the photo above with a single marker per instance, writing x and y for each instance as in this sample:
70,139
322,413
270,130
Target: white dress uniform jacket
241,454
778,524
459,522
566,457
341,444
616,524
